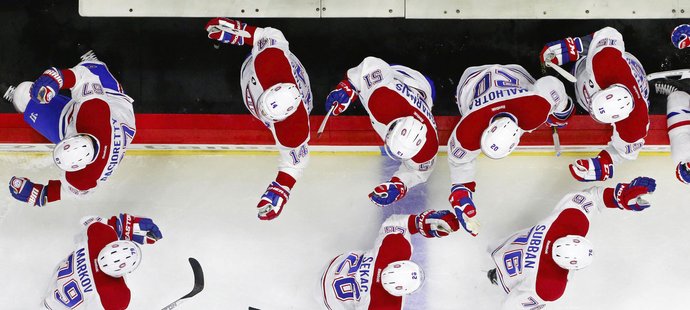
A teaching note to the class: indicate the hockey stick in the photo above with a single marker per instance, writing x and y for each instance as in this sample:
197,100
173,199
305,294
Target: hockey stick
325,119
556,141
198,284
561,71
682,73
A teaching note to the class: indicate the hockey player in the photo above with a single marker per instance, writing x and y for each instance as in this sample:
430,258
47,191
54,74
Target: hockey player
276,90
533,265
497,104
612,87
399,101
92,277
678,121
91,130
379,278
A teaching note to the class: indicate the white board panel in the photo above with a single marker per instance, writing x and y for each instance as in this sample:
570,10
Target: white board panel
546,9
201,8
363,8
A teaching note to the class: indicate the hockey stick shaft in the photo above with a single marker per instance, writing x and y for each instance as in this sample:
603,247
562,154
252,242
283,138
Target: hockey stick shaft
325,120
561,71
198,284
556,141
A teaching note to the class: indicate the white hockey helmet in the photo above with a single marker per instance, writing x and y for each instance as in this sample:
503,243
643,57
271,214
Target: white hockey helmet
501,136
20,96
402,277
76,152
572,252
278,102
119,258
612,104
405,138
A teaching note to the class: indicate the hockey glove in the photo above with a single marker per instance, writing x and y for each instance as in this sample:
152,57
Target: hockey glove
461,201
599,168
388,192
273,201
141,230
680,36
227,31
628,196
562,51
431,223
47,85
341,97
560,119
683,172
24,190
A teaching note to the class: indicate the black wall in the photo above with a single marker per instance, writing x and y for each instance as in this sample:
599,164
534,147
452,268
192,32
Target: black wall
169,66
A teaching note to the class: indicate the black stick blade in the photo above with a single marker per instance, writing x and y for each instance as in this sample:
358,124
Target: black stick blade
198,277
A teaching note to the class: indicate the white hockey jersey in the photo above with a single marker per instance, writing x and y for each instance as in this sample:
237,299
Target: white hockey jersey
678,124
351,280
391,92
79,284
99,107
524,265
605,64
270,63
482,93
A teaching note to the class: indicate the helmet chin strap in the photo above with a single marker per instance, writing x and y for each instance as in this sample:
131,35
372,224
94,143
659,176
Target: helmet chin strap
504,114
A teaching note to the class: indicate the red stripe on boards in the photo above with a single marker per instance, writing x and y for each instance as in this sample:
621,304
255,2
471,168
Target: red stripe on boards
340,130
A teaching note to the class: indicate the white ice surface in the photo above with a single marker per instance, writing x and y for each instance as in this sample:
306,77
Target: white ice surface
205,206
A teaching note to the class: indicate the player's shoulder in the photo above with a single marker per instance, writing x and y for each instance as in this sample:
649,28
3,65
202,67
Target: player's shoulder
114,295
551,288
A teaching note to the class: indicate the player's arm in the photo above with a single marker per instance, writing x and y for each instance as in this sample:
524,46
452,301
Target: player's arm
292,138
361,80
462,164
520,298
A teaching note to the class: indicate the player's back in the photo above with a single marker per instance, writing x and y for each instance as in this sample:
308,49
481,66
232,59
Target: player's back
342,284
78,282
482,86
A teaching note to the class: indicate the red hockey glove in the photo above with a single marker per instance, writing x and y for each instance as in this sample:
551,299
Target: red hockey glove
599,168
431,223
388,192
461,201
628,196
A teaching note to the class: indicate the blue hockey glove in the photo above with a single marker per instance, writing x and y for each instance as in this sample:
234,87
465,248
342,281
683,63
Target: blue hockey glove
625,193
24,190
227,31
461,201
599,168
683,172
141,230
431,223
272,201
341,97
47,85
388,192
562,51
